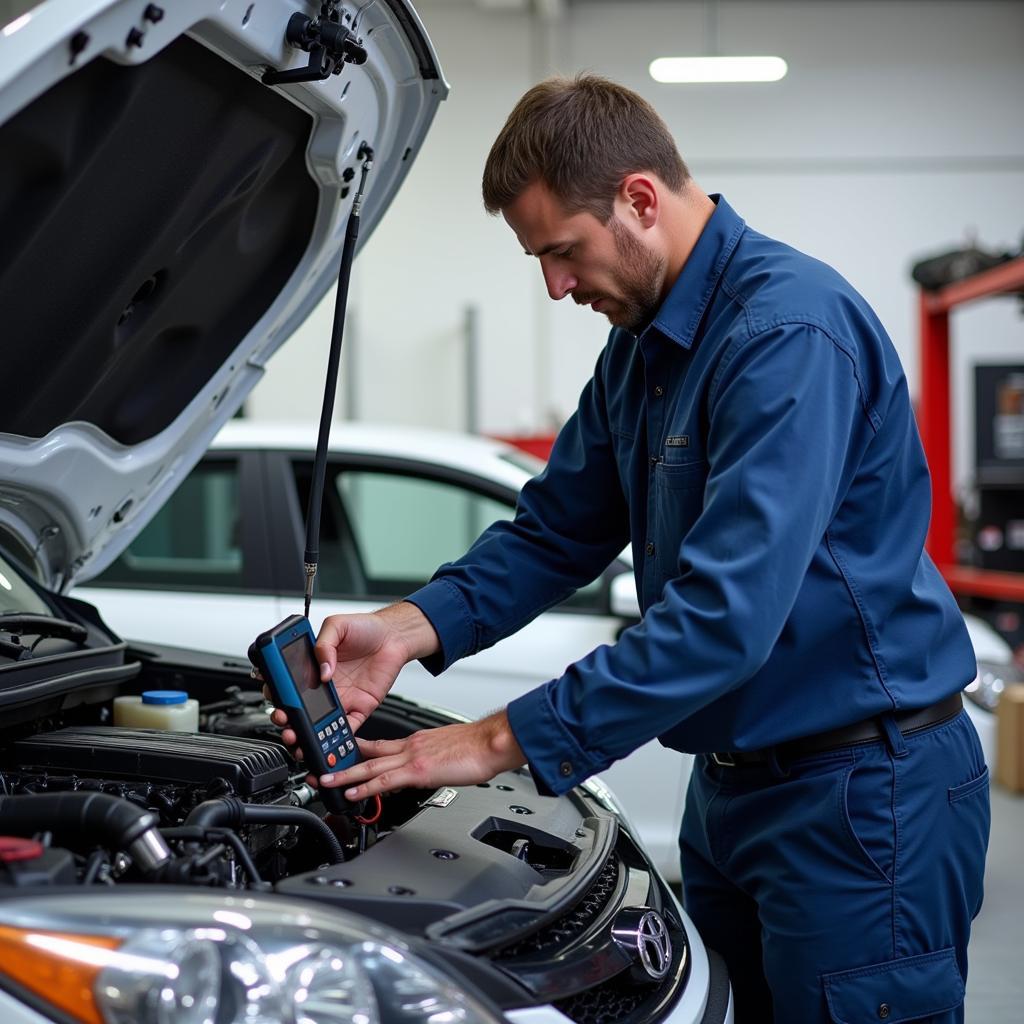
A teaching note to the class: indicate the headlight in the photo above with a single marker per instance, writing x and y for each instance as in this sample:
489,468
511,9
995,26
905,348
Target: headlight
204,959
990,682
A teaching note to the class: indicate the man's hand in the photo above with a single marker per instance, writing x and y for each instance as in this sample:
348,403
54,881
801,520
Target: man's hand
452,755
363,654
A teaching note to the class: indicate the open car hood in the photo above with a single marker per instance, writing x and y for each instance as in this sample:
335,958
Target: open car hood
167,220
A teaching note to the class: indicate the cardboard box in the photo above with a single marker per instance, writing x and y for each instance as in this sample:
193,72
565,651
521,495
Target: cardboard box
1010,738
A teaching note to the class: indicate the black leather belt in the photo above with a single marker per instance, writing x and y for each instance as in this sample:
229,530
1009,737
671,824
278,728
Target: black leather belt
869,731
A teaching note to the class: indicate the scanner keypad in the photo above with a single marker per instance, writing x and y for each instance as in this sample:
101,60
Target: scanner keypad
336,738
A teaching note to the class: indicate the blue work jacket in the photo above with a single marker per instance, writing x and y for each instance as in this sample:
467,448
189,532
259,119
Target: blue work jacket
756,446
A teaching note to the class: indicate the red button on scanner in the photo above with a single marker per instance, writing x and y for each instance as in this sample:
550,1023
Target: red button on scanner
332,760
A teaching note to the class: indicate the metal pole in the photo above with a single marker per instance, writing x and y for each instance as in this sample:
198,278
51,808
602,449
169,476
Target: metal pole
471,335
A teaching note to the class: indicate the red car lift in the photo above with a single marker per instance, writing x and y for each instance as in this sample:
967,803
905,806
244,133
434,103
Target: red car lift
934,422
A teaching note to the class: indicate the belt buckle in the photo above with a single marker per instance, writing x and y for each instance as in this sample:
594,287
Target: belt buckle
725,760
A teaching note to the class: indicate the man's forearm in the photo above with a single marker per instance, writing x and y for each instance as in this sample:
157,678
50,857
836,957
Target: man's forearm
412,628
501,743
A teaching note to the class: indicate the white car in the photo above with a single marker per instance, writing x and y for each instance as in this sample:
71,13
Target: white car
178,180
223,558
996,670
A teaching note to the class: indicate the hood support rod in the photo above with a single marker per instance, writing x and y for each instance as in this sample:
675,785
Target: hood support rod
316,491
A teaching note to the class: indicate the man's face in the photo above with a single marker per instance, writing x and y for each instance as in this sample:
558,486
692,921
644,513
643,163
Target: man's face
604,266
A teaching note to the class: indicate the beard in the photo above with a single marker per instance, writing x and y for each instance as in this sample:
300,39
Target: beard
638,280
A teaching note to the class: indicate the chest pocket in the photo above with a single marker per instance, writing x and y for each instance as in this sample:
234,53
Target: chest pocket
678,501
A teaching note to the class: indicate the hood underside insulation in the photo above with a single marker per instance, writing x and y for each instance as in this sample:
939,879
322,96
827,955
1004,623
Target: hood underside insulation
149,216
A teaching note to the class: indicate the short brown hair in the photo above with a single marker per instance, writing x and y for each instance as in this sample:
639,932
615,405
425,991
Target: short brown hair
580,136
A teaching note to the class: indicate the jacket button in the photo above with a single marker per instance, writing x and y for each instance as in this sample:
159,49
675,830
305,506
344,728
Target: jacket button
655,460
565,769
650,548
883,1011
659,391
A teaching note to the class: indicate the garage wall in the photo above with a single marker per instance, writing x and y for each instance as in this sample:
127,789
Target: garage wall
897,132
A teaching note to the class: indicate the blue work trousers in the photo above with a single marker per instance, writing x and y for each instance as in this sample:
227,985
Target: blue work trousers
840,887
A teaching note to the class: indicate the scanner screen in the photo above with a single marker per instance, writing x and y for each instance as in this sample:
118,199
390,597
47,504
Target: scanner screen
305,673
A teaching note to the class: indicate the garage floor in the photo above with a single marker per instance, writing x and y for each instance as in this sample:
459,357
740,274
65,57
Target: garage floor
995,982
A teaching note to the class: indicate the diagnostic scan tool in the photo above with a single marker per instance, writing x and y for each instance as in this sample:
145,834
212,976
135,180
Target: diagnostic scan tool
286,659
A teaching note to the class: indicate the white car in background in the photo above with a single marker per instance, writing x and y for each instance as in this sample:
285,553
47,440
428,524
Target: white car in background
222,561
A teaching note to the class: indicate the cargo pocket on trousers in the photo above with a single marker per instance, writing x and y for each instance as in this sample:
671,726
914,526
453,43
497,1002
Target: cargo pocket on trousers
908,989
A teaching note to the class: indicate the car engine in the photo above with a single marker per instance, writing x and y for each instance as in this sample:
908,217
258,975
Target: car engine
235,776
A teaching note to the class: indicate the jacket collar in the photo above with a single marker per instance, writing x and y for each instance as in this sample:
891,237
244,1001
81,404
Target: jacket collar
680,314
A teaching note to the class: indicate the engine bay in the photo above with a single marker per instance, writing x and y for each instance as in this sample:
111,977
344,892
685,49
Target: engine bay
235,812
517,890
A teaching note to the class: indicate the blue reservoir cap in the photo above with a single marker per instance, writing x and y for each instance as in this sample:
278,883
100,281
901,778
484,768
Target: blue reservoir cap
164,697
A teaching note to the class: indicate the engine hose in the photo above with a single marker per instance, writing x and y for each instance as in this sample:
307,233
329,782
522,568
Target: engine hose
198,834
77,817
231,812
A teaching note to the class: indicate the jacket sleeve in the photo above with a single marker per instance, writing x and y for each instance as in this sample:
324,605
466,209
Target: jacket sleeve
786,423
570,522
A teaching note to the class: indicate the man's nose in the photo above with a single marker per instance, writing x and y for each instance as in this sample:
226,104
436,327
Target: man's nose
559,282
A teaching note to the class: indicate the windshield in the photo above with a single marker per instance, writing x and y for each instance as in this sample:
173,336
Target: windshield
15,593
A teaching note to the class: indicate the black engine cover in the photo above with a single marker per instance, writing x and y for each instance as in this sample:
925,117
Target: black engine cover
250,767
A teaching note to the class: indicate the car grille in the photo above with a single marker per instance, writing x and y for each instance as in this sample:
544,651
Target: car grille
562,946
562,931
621,1000
615,1000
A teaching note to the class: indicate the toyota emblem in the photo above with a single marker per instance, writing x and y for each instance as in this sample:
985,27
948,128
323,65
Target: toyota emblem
644,933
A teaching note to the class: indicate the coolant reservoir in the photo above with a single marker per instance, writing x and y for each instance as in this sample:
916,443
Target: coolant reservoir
158,709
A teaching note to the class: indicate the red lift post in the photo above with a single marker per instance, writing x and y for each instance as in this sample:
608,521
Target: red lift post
934,415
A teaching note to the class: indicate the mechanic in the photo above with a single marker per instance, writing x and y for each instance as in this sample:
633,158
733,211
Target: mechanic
748,429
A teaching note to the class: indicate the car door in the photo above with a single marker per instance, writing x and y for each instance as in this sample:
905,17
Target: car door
386,525
199,574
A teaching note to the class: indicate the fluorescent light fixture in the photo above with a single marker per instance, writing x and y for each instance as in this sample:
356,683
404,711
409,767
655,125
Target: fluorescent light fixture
718,69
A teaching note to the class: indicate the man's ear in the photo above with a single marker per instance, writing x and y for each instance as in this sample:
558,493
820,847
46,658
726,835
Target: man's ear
639,196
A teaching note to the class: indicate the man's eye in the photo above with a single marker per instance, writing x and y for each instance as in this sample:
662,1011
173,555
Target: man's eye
566,253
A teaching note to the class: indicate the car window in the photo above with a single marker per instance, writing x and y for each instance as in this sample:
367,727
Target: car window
384,532
404,527
193,542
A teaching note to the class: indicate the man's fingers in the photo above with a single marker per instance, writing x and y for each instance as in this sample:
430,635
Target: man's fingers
332,633
379,748
453,755
363,771
278,717
369,778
